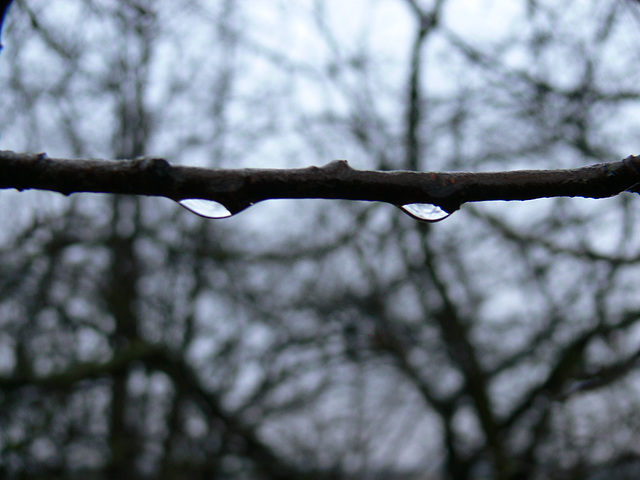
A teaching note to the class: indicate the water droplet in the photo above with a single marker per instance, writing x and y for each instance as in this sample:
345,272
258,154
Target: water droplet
205,208
425,212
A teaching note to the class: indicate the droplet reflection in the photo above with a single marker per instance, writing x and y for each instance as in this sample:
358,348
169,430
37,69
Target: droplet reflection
425,212
205,208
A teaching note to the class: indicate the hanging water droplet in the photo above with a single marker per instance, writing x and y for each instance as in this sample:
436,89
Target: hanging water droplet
205,208
425,212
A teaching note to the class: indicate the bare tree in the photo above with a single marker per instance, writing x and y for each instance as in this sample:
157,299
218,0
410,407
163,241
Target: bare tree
317,339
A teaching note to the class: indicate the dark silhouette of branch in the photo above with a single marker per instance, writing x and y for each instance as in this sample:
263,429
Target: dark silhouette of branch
239,189
4,7
136,352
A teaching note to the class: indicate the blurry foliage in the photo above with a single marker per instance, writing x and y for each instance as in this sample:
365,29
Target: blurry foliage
309,339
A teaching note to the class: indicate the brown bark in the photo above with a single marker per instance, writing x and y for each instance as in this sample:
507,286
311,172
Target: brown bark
239,189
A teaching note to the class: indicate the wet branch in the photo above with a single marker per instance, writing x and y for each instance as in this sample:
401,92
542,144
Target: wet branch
239,189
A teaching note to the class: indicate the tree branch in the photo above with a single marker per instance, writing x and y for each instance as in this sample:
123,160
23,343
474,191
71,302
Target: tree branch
239,189
137,351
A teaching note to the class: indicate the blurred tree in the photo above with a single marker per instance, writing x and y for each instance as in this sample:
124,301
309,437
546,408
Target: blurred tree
317,340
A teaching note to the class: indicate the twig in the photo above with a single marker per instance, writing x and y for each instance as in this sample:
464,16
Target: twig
239,189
